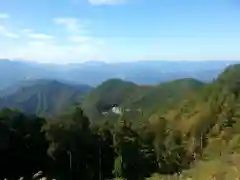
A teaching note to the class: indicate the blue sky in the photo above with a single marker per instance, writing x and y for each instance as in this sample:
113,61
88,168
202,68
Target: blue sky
62,31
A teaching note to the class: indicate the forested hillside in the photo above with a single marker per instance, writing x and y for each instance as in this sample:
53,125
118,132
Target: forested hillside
43,97
191,130
137,102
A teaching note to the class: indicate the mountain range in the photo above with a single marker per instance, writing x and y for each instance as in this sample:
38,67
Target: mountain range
93,73
47,95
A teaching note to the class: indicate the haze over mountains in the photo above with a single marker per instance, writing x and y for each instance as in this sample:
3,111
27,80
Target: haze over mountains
50,89
93,73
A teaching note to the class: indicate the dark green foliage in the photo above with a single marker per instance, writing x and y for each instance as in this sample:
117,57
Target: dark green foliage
127,147
23,146
78,151
106,152
70,149
69,145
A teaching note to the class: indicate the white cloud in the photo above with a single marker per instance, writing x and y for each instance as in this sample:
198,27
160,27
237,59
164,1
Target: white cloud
73,25
80,39
75,46
40,36
5,32
60,53
27,31
4,16
12,35
37,43
106,2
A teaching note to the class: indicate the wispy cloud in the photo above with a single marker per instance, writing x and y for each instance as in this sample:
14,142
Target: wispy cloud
5,32
36,43
27,31
40,36
12,35
75,45
60,53
80,39
4,16
73,25
106,2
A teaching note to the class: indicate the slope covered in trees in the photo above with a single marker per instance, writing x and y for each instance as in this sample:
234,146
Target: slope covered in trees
44,97
219,101
210,120
197,137
137,102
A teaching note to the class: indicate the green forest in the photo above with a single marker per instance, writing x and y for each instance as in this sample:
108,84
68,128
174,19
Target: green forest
186,130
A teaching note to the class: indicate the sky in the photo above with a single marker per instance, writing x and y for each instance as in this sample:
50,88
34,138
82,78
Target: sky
66,31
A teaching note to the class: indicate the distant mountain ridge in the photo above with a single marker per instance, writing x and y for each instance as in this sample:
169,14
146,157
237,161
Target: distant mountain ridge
94,73
31,82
